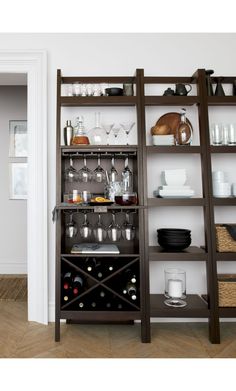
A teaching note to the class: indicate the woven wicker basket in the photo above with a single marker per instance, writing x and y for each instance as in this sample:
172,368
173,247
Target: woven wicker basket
224,241
227,290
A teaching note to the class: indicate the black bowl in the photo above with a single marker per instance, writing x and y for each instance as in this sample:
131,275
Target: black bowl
114,91
171,231
174,247
176,240
174,236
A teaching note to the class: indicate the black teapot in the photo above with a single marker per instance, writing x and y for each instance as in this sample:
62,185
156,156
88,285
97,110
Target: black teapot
169,92
180,89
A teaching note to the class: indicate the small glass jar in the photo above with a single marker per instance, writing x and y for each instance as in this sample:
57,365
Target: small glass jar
175,287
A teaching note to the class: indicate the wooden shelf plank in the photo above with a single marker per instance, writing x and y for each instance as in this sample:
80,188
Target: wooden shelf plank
106,149
224,201
227,312
98,79
100,315
168,79
223,149
192,253
176,202
171,100
131,254
221,100
196,308
65,206
70,101
173,149
225,256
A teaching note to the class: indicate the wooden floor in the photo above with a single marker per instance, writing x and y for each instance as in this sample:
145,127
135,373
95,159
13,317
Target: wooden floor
19,338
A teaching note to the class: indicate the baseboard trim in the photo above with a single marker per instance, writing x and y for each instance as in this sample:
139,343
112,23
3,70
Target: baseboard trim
13,267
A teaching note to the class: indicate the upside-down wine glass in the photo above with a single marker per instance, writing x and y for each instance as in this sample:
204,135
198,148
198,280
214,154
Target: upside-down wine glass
99,174
85,174
85,229
114,230
71,227
127,176
71,174
113,174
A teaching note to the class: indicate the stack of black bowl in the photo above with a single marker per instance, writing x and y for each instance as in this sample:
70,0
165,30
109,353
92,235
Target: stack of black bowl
174,239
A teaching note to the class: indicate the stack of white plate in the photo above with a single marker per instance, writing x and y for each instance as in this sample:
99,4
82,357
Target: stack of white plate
174,185
165,139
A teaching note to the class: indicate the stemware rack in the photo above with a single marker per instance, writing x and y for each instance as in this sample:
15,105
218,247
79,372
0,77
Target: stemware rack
137,253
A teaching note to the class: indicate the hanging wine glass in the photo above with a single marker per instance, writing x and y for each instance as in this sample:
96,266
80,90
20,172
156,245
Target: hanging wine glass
115,131
127,126
108,128
99,174
71,174
71,227
85,174
113,174
114,231
85,230
128,230
99,231
127,177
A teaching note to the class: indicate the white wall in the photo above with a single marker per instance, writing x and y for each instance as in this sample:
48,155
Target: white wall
121,54
13,244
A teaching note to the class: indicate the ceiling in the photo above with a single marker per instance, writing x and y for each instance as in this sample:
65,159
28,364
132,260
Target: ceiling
13,79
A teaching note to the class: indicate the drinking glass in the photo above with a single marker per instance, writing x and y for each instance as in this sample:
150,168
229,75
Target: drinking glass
86,196
71,227
217,134
127,126
107,128
127,229
76,89
127,176
175,287
225,135
85,230
114,230
85,174
99,174
115,131
113,174
99,231
71,174
232,134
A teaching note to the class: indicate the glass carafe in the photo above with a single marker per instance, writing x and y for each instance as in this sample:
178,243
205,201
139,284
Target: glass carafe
79,132
183,135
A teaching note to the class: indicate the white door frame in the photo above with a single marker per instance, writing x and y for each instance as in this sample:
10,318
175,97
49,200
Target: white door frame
34,63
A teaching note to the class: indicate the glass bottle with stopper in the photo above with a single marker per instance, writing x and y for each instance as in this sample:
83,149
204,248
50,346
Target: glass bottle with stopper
183,135
79,132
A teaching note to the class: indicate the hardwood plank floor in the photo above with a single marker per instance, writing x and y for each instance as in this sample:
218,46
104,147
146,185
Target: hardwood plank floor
22,339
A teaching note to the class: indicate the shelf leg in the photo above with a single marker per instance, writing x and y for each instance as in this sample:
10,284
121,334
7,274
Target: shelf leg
145,330
214,330
57,330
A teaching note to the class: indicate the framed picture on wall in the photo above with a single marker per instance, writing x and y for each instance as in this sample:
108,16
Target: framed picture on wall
18,138
18,181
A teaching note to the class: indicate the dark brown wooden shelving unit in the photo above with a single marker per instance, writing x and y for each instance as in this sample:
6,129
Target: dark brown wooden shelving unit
192,253
176,202
196,308
141,253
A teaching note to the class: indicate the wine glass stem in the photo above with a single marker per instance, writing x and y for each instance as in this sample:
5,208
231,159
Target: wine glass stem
127,139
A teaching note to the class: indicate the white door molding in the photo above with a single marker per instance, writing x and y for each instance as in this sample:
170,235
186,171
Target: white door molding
34,63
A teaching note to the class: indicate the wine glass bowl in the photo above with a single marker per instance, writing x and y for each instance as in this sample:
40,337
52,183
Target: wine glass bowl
108,128
99,231
99,174
127,127
85,174
71,227
71,174
85,229
116,131
114,230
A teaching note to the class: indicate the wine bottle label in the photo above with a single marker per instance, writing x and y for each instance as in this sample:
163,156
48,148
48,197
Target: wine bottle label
66,298
133,280
81,305
89,268
110,268
78,279
100,275
124,291
133,297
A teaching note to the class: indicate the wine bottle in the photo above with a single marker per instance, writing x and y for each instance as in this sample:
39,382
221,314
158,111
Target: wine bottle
77,285
81,305
67,280
130,290
67,297
102,294
119,306
108,305
93,304
99,274
90,264
130,276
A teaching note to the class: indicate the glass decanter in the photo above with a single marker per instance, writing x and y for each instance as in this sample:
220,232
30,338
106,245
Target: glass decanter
183,135
79,132
97,134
